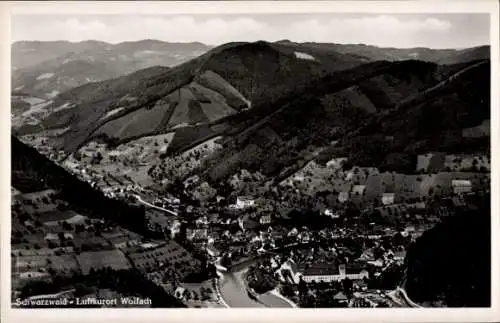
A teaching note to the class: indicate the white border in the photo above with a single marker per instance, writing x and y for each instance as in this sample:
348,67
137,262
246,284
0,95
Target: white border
245,315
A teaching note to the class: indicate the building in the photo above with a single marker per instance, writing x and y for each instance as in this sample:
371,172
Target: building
212,250
388,198
461,186
340,298
265,219
331,214
353,271
399,255
244,202
68,236
201,221
175,228
123,242
197,234
180,292
51,237
358,190
320,273
304,237
325,272
245,223
343,197
293,233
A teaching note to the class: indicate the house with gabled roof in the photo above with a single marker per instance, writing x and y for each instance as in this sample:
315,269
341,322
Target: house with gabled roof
358,190
388,198
461,186
343,197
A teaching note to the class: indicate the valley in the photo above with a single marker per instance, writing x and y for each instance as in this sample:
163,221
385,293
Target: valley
357,154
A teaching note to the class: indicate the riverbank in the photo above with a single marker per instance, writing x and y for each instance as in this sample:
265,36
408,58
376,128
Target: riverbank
276,293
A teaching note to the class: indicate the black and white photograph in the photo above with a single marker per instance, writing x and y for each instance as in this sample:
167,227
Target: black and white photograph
323,159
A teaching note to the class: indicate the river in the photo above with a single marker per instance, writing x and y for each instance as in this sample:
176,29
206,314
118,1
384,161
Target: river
234,293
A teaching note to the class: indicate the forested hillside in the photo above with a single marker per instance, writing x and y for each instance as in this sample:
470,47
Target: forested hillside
451,263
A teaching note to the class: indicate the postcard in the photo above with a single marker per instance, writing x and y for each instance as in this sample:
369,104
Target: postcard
221,161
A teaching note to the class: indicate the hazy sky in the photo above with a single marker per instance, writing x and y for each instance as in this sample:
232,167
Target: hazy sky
394,30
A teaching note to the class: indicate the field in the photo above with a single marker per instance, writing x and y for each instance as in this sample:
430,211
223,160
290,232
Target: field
134,124
467,162
314,178
132,158
179,166
171,255
216,83
101,259
481,130
213,104
160,218
54,217
62,263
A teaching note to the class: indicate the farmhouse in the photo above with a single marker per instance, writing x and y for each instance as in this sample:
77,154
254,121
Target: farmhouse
388,198
358,190
123,241
343,197
461,186
51,237
244,202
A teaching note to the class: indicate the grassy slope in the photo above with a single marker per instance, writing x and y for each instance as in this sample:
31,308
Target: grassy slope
252,69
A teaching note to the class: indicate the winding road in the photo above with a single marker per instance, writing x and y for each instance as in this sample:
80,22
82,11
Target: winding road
140,200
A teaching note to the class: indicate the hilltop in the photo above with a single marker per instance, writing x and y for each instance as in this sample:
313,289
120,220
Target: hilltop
60,66
438,56
226,80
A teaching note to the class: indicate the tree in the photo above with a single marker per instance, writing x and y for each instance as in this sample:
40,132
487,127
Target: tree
66,226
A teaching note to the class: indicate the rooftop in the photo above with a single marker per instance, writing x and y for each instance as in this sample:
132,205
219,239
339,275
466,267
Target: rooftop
319,269
461,182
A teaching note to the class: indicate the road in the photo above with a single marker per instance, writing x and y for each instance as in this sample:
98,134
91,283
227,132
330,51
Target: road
154,206
402,292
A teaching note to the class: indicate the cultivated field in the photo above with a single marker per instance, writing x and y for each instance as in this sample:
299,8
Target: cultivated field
101,259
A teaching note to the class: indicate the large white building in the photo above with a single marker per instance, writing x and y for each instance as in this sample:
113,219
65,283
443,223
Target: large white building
325,272
244,202
388,198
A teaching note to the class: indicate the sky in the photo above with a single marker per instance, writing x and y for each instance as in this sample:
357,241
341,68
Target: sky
387,30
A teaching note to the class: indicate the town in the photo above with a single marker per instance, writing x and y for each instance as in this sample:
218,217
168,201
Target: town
335,240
